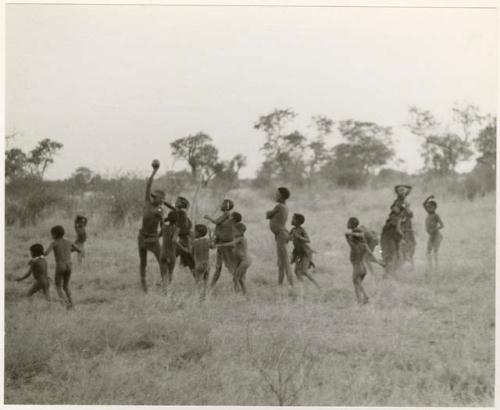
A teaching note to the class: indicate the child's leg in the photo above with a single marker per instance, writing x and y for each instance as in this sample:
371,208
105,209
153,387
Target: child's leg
169,267
58,280
283,261
34,288
156,251
240,273
357,278
66,277
46,290
143,257
437,244
218,267
306,262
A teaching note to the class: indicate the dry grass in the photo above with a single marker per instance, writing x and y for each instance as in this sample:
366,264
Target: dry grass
421,341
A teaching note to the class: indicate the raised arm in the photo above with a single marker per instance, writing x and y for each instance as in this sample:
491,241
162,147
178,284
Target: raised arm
149,184
427,200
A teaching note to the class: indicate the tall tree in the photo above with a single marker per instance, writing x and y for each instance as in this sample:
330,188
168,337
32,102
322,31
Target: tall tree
15,163
486,143
42,156
317,147
200,154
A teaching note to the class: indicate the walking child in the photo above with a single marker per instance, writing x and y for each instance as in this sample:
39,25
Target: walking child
302,252
433,226
185,240
370,238
81,235
223,233
241,258
37,268
152,218
359,248
62,253
277,221
170,234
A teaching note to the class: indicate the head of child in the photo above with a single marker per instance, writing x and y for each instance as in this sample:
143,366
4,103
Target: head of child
181,203
171,218
157,197
282,194
239,229
226,205
298,220
57,232
352,223
431,206
402,191
81,220
236,217
200,230
36,250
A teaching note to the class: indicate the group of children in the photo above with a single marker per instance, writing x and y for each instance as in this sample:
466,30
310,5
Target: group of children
62,249
193,244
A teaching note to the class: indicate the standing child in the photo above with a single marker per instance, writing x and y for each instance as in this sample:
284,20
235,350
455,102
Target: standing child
81,235
223,233
201,252
370,238
433,225
170,233
38,267
241,258
185,240
302,252
62,253
152,218
277,221
408,242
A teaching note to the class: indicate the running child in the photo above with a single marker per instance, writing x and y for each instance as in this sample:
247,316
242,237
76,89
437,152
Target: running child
37,268
302,252
62,253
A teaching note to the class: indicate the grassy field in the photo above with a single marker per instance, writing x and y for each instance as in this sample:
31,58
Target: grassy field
421,341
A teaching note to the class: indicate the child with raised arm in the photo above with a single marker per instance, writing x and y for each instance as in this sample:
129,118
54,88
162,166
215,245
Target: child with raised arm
433,226
81,235
240,253
152,219
302,252
223,233
62,253
277,221
37,268
170,234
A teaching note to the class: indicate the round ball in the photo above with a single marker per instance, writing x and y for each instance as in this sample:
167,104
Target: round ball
156,163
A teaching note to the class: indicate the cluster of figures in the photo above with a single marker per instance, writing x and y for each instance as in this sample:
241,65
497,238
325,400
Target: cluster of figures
179,239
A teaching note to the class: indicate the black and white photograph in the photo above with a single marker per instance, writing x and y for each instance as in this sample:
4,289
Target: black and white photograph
250,203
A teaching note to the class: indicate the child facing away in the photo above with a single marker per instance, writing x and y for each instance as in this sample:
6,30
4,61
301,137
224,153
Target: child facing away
81,235
62,253
433,226
185,240
401,207
223,233
240,254
170,234
37,268
359,248
302,252
277,221
201,252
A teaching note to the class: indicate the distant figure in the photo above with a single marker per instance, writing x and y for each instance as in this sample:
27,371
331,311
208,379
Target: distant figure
81,235
185,239
62,253
152,219
302,252
223,233
390,242
369,236
277,221
241,257
433,226
407,243
359,248
170,234
201,251
38,268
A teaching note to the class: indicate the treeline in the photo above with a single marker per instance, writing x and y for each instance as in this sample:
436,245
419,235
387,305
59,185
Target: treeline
363,153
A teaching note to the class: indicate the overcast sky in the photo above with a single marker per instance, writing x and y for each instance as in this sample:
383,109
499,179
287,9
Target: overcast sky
116,84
